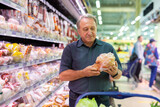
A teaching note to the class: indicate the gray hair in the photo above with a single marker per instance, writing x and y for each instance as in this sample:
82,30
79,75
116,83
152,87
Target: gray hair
86,16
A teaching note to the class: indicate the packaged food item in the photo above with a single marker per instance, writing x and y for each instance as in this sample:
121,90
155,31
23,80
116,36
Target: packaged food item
104,61
17,56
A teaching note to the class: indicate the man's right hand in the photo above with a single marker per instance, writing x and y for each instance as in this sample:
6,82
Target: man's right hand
90,71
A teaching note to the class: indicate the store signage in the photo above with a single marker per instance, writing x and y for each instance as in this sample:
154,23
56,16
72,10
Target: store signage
148,9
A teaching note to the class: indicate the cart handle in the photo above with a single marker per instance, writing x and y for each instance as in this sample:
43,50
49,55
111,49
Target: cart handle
117,95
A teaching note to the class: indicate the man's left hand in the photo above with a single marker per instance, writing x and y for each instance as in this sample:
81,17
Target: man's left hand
112,70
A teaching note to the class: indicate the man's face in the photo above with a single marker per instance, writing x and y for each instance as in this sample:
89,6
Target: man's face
87,30
141,39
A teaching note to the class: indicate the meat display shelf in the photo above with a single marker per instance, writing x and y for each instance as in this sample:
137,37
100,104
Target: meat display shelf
27,89
25,64
58,13
27,36
41,103
13,5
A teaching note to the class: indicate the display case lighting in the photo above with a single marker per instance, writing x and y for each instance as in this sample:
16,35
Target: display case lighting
99,12
82,11
97,3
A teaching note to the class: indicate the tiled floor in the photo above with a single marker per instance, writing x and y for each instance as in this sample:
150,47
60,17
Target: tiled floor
142,88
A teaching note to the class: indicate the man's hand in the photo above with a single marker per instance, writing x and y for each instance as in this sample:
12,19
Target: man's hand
90,71
112,70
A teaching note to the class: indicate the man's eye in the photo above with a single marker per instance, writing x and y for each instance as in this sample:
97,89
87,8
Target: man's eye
92,28
85,29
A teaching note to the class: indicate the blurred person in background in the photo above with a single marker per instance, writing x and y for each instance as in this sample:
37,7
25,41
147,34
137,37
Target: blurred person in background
138,51
151,56
78,58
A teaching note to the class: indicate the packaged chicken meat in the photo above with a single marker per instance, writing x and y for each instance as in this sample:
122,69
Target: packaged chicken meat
104,61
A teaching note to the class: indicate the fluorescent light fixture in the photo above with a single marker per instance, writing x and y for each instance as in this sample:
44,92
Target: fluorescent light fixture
122,28
99,12
100,22
156,27
83,12
98,4
137,18
133,34
145,28
132,38
114,38
99,18
123,38
151,30
111,33
120,34
108,37
126,28
145,33
148,22
133,22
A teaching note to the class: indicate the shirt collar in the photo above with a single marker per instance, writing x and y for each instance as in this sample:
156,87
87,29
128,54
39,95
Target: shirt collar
80,42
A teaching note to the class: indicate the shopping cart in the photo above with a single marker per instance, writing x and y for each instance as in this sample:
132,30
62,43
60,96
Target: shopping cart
129,70
116,95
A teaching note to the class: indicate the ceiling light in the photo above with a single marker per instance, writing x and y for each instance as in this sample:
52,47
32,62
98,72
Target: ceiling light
145,33
148,22
132,38
99,12
137,18
133,22
123,38
145,28
98,4
151,35
99,18
111,33
100,22
122,28
156,27
151,30
114,38
133,34
126,28
108,37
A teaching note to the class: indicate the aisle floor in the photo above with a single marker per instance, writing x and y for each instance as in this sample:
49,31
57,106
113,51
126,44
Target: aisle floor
142,88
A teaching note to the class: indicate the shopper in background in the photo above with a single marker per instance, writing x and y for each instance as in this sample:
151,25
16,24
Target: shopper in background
151,56
138,50
77,59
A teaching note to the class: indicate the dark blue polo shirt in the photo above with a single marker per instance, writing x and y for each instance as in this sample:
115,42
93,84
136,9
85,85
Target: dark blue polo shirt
77,56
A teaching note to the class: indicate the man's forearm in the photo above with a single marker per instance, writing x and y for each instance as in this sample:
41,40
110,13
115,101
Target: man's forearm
70,75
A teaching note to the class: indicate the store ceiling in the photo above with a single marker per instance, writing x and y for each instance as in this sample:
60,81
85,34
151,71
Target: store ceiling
115,14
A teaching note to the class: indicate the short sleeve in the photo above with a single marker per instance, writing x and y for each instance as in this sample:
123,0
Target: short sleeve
66,60
117,59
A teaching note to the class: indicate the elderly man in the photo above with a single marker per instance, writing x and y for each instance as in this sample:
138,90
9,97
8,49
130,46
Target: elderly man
77,59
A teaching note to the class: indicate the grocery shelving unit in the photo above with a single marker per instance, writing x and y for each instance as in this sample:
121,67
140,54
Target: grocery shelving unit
27,39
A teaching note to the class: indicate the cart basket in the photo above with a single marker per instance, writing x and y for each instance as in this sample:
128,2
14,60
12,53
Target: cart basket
117,95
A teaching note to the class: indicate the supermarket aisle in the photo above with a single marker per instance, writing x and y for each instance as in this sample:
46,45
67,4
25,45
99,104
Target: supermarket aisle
142,88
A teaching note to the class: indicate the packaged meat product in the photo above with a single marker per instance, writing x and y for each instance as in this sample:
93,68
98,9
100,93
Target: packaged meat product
2,19
4,52
7,93
7,60
104,61
35,4
3,25
17,56
2,45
